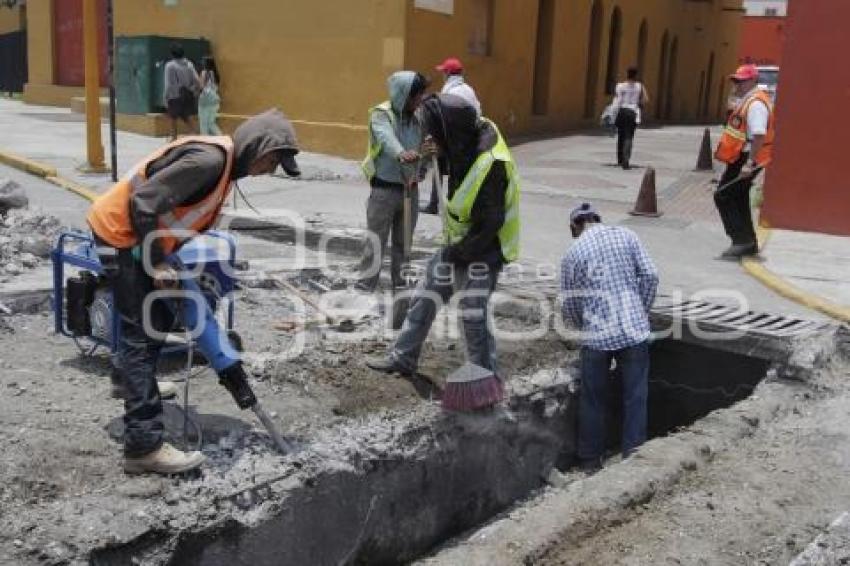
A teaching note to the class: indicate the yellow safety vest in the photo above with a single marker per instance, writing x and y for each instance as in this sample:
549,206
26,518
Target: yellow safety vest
374,148
457,220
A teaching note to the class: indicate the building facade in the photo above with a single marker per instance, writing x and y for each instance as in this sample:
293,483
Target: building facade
539,66
762,32
805,187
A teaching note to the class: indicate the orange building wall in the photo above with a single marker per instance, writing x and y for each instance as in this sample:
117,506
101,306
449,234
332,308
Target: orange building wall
761,40
807,186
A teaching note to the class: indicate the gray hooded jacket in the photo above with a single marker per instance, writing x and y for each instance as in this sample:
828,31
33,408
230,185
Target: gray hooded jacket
186,174
406,135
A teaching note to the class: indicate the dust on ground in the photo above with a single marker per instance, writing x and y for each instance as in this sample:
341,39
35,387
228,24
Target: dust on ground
761,501
61,485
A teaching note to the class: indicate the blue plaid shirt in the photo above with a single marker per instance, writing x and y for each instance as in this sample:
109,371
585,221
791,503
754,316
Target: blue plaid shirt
608,284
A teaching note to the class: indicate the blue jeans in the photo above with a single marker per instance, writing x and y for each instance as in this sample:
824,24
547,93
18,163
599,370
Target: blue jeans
633,363
476,282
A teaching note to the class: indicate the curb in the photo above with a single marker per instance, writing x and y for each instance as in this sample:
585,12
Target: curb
782,287
27,165
46,172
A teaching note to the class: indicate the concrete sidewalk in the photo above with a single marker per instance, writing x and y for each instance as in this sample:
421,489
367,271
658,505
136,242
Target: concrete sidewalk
557,174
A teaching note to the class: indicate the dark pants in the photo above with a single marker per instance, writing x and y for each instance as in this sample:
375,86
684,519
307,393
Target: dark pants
633,366
476,285
137,352
626,123
385,215
733,204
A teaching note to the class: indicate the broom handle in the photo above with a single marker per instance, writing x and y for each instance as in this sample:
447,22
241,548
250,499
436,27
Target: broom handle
303,296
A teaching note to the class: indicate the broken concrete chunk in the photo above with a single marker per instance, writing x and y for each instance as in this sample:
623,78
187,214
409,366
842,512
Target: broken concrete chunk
11,196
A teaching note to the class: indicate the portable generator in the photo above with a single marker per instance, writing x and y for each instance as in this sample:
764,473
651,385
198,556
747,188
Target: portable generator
83,306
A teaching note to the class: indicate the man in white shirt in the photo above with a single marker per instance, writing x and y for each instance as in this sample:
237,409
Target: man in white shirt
746,147
456,85
629,98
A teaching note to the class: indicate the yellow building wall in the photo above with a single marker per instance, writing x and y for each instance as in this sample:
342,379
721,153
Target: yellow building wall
10,19
322,65
504,80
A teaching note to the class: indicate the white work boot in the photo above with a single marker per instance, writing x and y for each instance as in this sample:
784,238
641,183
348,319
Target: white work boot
167,390
165,460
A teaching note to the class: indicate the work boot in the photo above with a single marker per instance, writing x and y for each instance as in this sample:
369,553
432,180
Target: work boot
235,381
387,364
164,460
167,390
736,251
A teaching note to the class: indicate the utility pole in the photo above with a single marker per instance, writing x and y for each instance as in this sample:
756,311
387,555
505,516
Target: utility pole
94,145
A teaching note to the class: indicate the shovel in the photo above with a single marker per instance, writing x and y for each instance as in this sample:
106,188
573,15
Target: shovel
402,304
340,325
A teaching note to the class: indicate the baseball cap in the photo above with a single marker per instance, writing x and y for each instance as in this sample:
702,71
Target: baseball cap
584,210
745,73
287,161
450,65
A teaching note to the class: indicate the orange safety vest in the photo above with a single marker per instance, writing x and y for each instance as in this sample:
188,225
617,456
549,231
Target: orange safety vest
734,136
109,216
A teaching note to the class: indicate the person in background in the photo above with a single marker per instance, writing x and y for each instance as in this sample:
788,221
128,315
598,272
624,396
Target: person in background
608,284
209,100
455,84
746,147
630,96
182,86
392,163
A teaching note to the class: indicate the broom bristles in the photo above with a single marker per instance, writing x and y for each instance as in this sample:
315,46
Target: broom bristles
468,396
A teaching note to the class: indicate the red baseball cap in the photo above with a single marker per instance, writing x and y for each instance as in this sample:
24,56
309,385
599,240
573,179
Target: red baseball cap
745,73
450,65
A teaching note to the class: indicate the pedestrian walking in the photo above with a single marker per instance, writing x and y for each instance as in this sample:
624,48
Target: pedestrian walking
392,166
454,83
182,86
481,232
137,225
629,99
608,284
209,101
746,147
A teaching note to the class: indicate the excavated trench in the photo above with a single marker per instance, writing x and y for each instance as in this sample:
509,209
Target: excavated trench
449,474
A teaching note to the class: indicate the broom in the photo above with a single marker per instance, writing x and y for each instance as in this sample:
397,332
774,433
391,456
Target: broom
472,388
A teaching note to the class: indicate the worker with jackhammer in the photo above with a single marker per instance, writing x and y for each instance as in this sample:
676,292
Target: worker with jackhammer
172,195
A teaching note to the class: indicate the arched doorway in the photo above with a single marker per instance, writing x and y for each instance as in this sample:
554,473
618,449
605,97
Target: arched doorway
594,45
671,79
641,49
662,75
709,80
614,35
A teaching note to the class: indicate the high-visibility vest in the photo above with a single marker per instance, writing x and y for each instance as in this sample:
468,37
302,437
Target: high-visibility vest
457,217
109,215
375,147
734,136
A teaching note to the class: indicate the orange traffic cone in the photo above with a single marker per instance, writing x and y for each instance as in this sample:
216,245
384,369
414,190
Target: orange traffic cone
646,204
705,162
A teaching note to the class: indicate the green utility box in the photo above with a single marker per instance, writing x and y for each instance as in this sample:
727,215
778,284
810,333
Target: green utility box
140,62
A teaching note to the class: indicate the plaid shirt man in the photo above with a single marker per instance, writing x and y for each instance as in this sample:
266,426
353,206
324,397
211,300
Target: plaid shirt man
608,284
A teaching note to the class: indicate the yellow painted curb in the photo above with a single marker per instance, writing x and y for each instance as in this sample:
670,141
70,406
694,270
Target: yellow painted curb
76,188
27,165
789,291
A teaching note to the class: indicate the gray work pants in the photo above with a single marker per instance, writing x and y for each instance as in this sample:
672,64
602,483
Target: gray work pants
385,215
476,283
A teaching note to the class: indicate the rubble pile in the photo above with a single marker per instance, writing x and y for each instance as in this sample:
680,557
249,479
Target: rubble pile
26,236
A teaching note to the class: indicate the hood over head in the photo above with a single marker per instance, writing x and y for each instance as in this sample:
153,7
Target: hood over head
399,85
260,134
455,126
